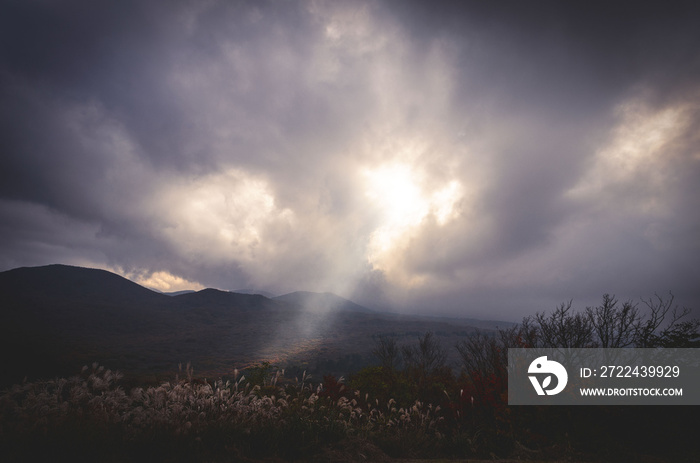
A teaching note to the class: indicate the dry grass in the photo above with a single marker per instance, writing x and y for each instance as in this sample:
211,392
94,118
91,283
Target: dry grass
188,418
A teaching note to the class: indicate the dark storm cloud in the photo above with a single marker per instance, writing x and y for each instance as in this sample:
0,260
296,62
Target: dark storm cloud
495,157
617,41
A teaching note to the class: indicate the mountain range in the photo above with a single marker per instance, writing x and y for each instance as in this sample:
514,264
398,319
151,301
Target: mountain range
56,318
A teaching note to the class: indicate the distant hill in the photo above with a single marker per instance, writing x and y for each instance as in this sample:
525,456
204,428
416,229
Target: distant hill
56,318
216,298
76,302
73,283
321,302
254,291
53,316
178,293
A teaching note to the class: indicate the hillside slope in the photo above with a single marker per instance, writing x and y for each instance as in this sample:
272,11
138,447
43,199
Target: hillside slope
55,319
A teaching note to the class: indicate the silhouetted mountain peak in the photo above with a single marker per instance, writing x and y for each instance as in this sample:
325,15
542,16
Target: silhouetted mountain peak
68,282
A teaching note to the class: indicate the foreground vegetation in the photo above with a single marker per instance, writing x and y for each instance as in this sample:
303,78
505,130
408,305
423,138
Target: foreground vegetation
91,416
412,405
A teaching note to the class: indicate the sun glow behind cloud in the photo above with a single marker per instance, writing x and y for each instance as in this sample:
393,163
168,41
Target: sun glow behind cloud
402,201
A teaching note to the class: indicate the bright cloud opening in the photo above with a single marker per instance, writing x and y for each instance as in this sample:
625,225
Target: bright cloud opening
402,200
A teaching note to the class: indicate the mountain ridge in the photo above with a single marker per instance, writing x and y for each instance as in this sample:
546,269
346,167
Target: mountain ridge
54,319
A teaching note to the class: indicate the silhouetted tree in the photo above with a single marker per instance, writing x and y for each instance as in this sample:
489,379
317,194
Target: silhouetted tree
562,328
484,358
614,325
655,330
483,353
387,351
425,358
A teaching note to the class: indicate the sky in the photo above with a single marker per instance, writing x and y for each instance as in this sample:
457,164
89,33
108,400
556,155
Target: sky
473,159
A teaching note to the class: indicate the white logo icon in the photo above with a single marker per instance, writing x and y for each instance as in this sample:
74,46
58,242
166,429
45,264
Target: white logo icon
541,365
